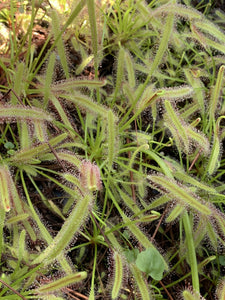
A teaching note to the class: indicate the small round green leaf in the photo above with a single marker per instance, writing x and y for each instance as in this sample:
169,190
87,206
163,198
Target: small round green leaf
151,262
222,260
131,255
9,145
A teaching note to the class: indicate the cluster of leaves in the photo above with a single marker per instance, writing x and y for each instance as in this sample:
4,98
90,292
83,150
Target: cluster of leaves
140,149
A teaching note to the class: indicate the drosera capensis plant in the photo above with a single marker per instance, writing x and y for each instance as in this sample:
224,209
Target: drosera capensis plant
112,165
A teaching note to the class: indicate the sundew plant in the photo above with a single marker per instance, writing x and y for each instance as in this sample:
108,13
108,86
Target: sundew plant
111,150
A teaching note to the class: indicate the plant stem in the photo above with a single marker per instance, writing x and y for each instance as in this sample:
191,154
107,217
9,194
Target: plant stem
92,295
191,252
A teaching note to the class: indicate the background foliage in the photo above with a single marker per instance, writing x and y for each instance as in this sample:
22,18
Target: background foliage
111,150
